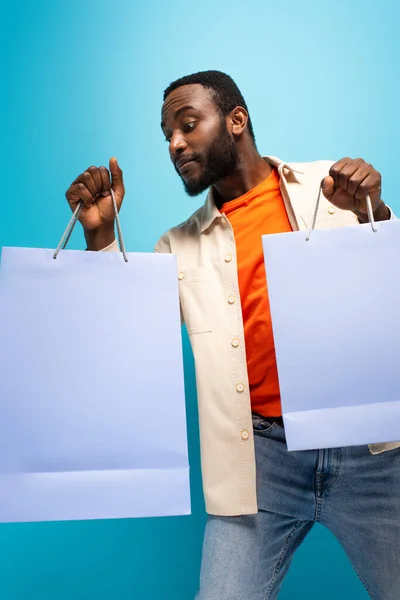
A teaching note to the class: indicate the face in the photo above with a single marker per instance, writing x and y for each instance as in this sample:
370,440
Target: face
201,148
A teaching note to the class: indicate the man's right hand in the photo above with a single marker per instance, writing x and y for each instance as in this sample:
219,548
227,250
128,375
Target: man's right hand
97,215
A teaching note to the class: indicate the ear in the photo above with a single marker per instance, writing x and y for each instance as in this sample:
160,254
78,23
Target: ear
238,120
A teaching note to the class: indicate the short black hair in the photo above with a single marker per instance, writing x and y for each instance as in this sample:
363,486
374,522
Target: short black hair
224,90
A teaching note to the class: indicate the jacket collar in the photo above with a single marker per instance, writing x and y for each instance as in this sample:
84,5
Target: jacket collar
210,211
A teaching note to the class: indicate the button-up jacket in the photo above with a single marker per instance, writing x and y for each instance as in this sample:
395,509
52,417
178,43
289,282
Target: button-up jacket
210,305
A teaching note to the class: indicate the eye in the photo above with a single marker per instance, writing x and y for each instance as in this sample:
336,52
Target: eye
189,127
167,139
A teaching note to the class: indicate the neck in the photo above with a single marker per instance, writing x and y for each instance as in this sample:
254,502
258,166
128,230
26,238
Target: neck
251,170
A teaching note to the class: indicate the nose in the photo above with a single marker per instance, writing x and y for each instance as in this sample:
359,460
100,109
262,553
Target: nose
177,144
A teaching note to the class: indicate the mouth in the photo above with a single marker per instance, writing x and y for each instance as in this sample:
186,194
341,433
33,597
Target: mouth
183,162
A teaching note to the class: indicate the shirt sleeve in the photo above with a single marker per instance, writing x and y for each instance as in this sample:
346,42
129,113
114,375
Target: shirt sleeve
113,247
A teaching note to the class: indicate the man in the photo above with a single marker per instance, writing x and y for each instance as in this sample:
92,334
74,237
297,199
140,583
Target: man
262,500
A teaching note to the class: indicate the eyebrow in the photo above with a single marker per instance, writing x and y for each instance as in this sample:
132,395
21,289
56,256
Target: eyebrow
179,112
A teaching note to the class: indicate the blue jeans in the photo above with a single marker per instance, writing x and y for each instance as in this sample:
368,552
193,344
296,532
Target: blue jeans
355,494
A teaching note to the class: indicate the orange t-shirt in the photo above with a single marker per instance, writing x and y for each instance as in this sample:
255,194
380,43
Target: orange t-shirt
260,211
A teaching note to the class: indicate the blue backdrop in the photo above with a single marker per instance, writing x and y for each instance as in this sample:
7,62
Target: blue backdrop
83,81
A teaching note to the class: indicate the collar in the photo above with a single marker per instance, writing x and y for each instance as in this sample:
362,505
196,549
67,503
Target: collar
210,210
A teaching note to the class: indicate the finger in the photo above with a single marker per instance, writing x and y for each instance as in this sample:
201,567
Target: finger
105,180
338,166
79,191
356,179
95,173
370,186
117,180
346,172
328,187
88,181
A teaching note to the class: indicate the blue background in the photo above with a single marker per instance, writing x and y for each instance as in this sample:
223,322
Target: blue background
83,81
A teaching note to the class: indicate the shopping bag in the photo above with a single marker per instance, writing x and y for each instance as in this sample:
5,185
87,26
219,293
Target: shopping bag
334,297
92,411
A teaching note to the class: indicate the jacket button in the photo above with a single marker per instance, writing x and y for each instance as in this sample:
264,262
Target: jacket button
231,299
181,276
235,342
331,210
245,434
240,388
228,258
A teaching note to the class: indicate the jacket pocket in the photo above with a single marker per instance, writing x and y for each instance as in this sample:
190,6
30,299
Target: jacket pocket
196,300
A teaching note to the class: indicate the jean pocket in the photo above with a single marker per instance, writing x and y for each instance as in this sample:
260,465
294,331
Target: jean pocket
391,452
262,425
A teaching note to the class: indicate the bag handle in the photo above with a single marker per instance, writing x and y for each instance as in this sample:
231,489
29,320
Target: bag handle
314,218
70,227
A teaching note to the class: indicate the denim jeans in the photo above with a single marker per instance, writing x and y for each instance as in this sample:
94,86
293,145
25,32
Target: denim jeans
355,494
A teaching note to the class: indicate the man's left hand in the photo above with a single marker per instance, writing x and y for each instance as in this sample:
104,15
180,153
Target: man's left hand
349,183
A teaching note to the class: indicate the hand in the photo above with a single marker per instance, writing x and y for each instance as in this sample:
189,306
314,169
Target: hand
97,215
350,182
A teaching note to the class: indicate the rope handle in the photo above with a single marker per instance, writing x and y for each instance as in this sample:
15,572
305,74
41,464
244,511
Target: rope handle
70,227
314,218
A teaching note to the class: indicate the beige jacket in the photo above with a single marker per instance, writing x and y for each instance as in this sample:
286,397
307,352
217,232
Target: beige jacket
210,306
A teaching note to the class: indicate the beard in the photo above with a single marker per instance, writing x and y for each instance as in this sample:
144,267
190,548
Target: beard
219,160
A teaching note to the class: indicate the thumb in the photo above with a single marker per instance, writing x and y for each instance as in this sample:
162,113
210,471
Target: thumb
117,180
328,187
